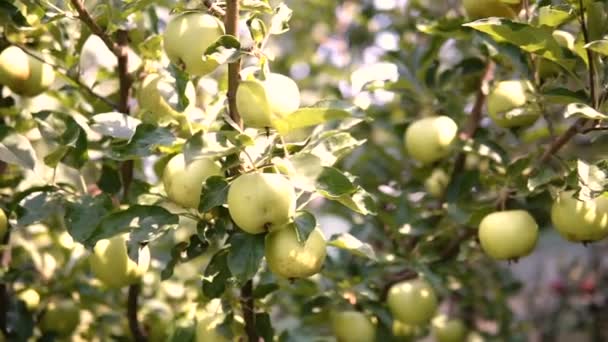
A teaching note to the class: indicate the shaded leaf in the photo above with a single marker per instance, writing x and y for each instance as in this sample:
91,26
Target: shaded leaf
350,243
214,193
245,255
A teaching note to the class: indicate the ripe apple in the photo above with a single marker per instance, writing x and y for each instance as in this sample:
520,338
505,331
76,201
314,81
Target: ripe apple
30,297
404,331
206,329
184,183
437,183
449,330
61,317
24,74
508,235
158,98
111,264
477,9
188,36
3,225
510,104
352,326
260,202
412,302
580,221
288,258
428,140
260,102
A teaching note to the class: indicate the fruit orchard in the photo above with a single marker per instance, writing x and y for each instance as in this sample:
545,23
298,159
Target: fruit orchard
258,170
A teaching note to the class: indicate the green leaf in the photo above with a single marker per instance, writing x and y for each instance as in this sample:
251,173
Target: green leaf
39,206
280,20
216,275
537,40
214,194
261,6
581,110
305,223
444,27
83,216
109,181
115,124
245,255
226,49
544,176
16,149
591,178
263,290
257,29
352,244
263,326
333,146
306,170
7,9
563,95
332,183
599,46
151,48
320,113
210,144
146,140
360,201
553,16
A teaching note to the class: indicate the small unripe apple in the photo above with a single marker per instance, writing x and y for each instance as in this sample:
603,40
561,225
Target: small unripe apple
510,104
111,264
158,97
429,139
404,331
3,225
412,302
508,235
206,329
437,183
188,36
260,102
477,9
30,297
352,326
260,202
61,317
580,221
24,74
449,330
288,258
184,183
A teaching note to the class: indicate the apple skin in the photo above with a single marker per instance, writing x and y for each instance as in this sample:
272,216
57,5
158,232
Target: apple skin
508,235
111,264
23,74
30,297
580,221
352,326
260,202
288,258
412,302
206,329
184,183
449,330
509,95
477,9
186,39
260,102
61,317
3,225
428,140
155,94
437,182
404,332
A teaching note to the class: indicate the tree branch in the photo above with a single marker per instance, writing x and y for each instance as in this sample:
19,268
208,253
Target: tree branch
231,21
214,9
138,333
86,18
248,305
4,286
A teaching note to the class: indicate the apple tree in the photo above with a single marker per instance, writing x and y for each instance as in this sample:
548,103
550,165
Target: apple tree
260,170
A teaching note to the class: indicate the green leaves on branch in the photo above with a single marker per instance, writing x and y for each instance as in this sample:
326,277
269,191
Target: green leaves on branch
16,149
320,113
352,244
582,110
335,185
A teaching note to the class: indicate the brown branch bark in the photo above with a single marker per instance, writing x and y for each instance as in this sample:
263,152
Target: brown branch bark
248,305
214,9
138,333
231,21
86,18
4,287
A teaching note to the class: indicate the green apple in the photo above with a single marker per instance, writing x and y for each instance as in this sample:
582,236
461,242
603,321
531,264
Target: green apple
288,258
24,74
30,297
111,264
449,330
510,104
184,183
352,326
508,235
60,317
477,9
186,39
580,221
429,139
260,102
437,182
412,302
158,98
206,329
3,225
260,202
404,331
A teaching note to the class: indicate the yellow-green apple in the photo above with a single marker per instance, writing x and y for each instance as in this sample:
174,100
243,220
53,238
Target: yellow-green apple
429,139
448,330
511,104
580,221
436,183
24,74
184,183
60,317
412,302
30,297
260,102
289,258
111,264
260,202
186,39
352,326
158,98
508,235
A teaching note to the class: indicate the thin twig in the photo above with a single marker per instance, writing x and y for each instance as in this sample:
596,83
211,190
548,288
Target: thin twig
86,18
214,9
138,333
